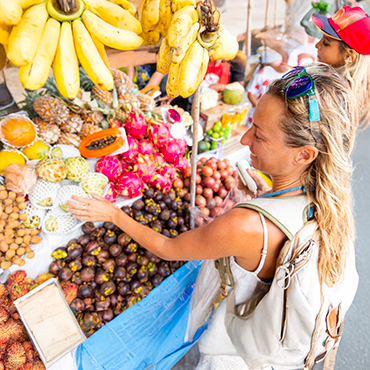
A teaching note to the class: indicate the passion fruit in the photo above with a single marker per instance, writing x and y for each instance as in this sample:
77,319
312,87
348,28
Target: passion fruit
68,13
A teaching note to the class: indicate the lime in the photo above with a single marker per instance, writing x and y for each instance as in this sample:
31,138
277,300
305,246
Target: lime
214,145
208,145
223,129
209,132
202,146
217,127
216,135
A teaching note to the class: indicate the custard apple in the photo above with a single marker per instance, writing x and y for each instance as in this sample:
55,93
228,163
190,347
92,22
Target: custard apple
51,224
52,170
32,222
47,202
94,184
77,168
64,151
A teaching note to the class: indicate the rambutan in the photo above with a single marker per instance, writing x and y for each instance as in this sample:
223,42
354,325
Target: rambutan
70,292
16,356
4,315
17,277
30,351
43,277
2,366
38,365
26,366
10,330
3,290
18,291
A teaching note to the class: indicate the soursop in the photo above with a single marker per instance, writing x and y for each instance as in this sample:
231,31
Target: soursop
52,170
77,168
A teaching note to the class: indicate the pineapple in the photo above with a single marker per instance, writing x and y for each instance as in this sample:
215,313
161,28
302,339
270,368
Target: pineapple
122,82
88,129
69,139
120,115
51,109
95,118
48,132
106,97
73,125
129,102
147,103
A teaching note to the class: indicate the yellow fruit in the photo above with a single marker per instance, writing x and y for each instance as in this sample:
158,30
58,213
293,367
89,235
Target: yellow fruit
151,37
125,5
2,57
8,157
172,87
34,75
11,12
165,16
101,49
164,57
114,15
265,177
225,47
26,35
25,4
180,51
65,66
149,14
89,57
190,10
109,35
60,15
37,150
4,33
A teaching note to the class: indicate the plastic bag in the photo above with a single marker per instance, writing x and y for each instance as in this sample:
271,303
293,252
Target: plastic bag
20,178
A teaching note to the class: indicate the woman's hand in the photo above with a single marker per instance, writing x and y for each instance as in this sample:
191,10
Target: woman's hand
262,187
97,209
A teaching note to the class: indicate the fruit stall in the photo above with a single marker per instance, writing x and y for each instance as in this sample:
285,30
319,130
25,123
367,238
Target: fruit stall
86,129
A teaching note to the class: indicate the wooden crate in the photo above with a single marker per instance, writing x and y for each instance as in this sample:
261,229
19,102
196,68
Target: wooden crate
212,115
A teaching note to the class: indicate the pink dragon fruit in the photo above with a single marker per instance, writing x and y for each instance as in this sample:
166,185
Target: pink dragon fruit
168,170
114,123
172,151
173,115
182,164
126,166
162,183
129,185
144,168
132,152
183,145
158,159
158,133
111,194
146,147
109,166
136,125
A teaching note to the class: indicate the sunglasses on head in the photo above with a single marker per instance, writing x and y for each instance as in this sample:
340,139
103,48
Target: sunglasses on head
302,84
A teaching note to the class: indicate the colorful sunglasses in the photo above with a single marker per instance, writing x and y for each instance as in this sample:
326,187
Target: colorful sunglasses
302,84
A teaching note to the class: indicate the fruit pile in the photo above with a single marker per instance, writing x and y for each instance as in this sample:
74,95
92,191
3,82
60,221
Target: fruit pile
193,37
214,180
15,237
154,158
64,34
212,139
16,349
107,270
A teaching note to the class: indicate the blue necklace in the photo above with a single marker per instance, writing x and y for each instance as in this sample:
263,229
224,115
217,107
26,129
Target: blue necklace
281,192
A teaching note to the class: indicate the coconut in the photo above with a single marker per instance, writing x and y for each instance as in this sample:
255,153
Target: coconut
233,93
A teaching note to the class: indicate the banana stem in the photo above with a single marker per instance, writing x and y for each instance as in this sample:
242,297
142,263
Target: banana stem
67,5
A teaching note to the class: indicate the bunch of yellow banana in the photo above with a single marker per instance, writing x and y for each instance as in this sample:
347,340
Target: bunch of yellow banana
156,16
194,37
63,33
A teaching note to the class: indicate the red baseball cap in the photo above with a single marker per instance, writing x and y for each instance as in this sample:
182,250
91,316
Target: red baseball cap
351,25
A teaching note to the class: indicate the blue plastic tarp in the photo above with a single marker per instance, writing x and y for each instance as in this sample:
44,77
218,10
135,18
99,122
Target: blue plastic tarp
150,333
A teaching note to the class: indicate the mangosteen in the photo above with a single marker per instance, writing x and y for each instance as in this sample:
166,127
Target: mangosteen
74,251
109,225
152,257
173,233
83,240
131,268
148,217
72,241
76,278
88,228
102,256
59,253
115,250
99,233
107,288
99,325
156,280
75,265
182,229
55,266
93,284
174,206
131,300
101,276
113,299
165,232
109,265
174,265
142,260
143,274
149,193
77,305
93,248
126,209
172,195
121,259
123,240
138,204
87,274
180,221
144,291
172,223
162,204
132,257
167,200
110,237
131,247
64,274
119,273
85,291
165,215
180,212
163,269
123,288
137,213
156,226
135,286
102,305
173,214
158,196
88,260
108,315
152,269
142,221
89,321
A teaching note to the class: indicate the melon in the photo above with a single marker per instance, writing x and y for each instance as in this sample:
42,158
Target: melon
37,150
233,93
8,157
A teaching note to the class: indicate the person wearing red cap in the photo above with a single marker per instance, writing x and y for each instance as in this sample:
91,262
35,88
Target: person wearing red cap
345,45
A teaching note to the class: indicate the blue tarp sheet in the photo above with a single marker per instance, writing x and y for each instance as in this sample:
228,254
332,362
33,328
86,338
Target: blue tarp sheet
150,333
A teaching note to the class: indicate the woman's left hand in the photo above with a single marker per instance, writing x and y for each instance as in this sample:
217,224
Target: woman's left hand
97,209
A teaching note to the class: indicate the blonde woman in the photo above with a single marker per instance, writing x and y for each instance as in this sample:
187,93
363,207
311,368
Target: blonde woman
306,150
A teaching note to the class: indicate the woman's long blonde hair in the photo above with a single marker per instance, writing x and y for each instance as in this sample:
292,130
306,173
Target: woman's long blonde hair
357,73
327,180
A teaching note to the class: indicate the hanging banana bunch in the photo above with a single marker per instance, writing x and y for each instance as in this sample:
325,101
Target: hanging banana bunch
63,34
194,37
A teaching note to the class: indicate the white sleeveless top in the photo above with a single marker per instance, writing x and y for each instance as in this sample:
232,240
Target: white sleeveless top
215,346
